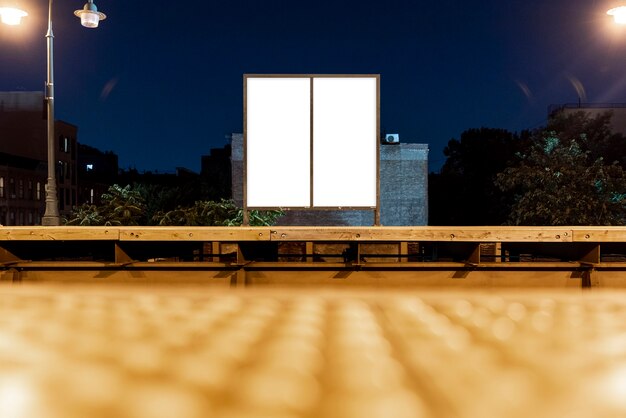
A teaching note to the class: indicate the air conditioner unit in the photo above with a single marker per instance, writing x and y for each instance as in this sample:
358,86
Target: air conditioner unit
392,138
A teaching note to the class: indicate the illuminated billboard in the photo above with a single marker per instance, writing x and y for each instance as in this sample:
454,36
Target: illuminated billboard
311,141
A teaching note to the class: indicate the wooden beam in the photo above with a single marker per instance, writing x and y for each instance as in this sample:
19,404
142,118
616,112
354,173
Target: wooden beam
216,250
474,256
199,233
591,255
52,233
7,257
404,251
308,250
599,234
121,257
423,233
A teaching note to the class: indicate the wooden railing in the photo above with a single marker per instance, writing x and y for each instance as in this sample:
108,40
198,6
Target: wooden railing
368,256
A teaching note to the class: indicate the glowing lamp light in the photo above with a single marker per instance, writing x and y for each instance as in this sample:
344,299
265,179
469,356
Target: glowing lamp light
89,15
11,16
619,14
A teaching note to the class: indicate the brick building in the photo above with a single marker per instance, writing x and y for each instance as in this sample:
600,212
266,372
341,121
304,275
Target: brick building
23,159
403,190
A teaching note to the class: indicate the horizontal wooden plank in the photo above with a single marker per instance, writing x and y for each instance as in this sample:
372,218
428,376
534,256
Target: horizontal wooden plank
424,233
198,233
60,233
182,265
60,265
599,234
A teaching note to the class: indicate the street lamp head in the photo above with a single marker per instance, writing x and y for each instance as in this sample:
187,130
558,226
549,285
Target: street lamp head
89,15
11,16
619,14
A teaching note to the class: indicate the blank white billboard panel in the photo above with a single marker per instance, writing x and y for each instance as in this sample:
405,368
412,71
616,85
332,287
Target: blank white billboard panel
311,141
345,141
278,144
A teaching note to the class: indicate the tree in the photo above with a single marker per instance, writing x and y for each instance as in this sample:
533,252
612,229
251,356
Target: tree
464,193
565,178
592,133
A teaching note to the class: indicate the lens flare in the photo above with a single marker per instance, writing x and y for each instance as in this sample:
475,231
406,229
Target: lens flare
619,14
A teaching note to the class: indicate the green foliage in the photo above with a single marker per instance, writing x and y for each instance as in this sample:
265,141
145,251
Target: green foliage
123,205
128,206
163,198
210,213
120,206
85,215
257,217
564,180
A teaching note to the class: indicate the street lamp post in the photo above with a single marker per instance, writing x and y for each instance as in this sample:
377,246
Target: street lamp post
89,18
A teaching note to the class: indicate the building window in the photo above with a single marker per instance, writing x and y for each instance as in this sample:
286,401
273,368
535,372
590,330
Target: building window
11,218
1,187
38,195
20,189
60,172
30,218
64,144
12,189
89,167
30,190
21,218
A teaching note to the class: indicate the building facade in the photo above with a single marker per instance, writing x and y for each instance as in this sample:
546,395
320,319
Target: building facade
23,159
403,190
96,171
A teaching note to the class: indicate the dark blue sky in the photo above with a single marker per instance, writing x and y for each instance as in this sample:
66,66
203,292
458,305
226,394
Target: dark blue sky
160,83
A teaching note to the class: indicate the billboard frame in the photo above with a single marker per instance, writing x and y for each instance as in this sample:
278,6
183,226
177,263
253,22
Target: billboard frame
311,207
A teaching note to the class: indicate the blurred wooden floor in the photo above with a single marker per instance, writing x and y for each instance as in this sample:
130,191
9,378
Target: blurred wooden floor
156,351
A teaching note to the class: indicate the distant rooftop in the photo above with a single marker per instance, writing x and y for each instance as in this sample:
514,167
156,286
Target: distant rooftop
553,108
21,100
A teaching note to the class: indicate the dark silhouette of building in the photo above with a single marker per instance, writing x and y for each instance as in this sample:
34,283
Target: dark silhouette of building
23,166
216,173
618,111
97,170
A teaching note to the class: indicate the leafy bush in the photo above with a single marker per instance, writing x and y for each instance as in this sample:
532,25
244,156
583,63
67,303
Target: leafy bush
210,213
122,206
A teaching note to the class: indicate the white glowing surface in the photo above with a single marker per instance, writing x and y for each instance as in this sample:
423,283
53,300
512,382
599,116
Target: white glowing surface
278,143
344,142
619,14
11,16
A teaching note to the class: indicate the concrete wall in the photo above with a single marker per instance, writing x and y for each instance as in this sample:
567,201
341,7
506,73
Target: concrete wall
403,190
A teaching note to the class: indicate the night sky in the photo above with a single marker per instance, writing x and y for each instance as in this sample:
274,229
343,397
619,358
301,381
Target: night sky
160,82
